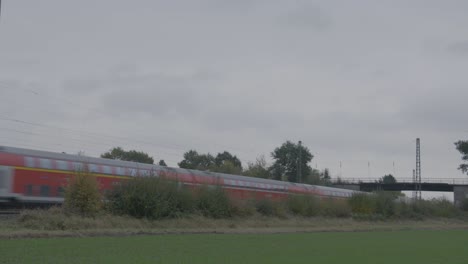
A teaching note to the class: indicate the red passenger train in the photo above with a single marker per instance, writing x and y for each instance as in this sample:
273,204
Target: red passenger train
32,176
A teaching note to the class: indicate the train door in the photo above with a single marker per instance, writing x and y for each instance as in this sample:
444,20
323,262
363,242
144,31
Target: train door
5,181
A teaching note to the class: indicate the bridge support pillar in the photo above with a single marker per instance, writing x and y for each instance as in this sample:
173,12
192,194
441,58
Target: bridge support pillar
460,193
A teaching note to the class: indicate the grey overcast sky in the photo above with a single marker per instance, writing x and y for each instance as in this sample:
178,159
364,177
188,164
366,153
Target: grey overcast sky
356,81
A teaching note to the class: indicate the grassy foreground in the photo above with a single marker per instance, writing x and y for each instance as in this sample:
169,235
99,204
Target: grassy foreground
429,247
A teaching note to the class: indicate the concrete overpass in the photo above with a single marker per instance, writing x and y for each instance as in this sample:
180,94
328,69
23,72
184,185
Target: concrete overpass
459,186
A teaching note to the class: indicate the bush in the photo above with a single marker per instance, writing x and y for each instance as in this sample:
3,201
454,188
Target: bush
385,204
303,205
435,207
464,205
405,210
335,208
213,202
150,197
82,194
362,204
270,208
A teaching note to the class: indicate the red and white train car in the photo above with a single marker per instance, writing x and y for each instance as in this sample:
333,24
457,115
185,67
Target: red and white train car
32,176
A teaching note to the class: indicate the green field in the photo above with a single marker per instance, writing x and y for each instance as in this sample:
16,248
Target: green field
445,247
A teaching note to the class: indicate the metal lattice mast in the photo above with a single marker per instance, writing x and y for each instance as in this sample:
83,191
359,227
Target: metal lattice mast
415,193
418,169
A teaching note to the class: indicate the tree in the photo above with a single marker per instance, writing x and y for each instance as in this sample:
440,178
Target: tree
388,179
224,162
462,147
259,169
162,163
316,177
227,157
82,193
325,177
227,167
194,161
287,159
119,153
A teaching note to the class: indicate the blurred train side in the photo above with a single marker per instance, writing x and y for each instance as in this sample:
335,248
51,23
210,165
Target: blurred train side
32,176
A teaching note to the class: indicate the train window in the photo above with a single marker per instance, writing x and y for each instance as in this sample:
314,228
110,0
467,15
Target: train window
93,168
77,166
106,169
28,190
45,163
29,162
120,171
62,165
133,172
44,190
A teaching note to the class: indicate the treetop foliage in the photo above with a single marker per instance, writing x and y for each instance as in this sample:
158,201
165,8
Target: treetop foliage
82,194
119,153
259,169
388,179
224,162
285,166
462,147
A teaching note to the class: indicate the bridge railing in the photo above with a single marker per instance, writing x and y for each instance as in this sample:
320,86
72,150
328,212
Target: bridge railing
452,181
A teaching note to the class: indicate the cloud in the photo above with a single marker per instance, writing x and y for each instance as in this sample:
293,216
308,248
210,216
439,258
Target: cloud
305,15
460,47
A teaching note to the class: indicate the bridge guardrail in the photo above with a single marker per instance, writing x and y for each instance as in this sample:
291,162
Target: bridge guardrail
452,181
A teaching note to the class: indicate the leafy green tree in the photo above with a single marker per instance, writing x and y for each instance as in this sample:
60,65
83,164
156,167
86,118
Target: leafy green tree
325,177
82,194
462,147
285,166
259,169
162,163
227,167
224,162
314,177
119,153
388,179
194,161
221,158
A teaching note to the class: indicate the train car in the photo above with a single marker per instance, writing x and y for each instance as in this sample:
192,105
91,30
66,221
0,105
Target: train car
40,177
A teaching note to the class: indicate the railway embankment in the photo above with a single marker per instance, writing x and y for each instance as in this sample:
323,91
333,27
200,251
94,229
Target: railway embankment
156,206
54,222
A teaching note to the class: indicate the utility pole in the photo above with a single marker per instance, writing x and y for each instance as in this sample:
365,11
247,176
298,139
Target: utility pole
415,194
299,163
418,169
